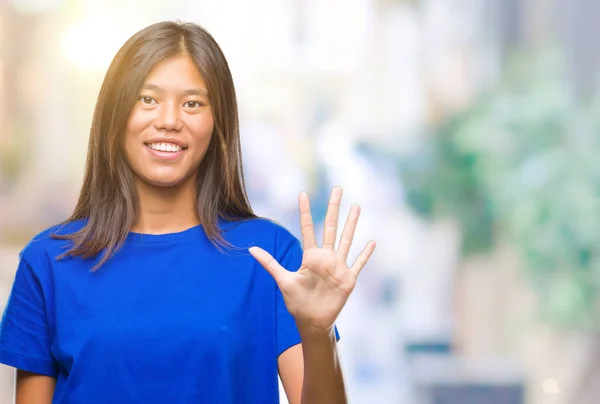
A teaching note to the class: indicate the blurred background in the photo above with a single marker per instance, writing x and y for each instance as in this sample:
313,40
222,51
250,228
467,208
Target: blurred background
466,129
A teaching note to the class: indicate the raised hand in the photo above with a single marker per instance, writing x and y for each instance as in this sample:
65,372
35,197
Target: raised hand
317,292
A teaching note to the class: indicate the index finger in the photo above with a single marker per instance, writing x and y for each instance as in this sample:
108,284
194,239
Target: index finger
306,222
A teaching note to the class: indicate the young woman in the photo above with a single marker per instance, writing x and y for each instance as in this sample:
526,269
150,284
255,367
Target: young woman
153,291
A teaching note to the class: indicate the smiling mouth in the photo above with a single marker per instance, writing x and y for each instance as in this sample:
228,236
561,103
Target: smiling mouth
165,147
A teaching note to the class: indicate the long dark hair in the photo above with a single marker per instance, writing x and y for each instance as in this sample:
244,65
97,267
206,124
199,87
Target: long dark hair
108,200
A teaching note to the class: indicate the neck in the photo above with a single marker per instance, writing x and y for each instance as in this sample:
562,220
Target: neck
166,209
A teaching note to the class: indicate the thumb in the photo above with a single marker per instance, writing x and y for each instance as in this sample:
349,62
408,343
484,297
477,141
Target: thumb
269,263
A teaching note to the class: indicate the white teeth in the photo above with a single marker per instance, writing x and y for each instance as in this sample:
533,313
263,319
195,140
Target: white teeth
168,147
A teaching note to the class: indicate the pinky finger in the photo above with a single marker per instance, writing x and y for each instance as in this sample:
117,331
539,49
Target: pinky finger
362,259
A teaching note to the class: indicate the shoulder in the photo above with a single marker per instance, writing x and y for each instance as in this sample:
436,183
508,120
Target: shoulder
263,232
45,245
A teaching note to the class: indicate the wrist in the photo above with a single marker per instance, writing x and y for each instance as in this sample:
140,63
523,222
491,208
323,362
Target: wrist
311,332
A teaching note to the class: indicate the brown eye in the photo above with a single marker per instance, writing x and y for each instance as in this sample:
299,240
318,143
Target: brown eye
147,100
192,104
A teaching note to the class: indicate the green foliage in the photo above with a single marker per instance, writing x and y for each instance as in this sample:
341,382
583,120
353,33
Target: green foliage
523,164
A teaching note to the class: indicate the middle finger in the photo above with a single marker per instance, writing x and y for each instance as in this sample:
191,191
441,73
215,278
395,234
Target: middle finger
331,218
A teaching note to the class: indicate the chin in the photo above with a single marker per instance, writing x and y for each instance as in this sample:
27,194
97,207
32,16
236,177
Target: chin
161,181
164,178
166,183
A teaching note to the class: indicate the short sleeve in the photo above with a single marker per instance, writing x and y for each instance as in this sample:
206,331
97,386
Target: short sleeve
287,332
24,334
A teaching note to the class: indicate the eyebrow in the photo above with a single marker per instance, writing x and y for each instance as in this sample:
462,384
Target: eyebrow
191,91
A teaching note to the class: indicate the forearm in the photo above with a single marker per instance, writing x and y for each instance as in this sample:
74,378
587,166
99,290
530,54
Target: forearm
323,377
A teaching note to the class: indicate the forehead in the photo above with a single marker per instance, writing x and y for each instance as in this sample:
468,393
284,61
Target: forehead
178,73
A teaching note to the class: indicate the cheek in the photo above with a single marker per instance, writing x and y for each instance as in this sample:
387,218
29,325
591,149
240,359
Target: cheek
201,129
133,133
137,122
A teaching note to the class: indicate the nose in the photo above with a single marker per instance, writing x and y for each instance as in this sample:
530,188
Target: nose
169,117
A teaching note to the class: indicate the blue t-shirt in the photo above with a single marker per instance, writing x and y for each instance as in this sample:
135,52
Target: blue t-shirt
168,319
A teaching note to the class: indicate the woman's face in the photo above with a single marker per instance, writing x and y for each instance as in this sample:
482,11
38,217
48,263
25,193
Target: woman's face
171,124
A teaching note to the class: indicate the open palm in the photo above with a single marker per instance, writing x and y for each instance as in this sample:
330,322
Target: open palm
317,292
